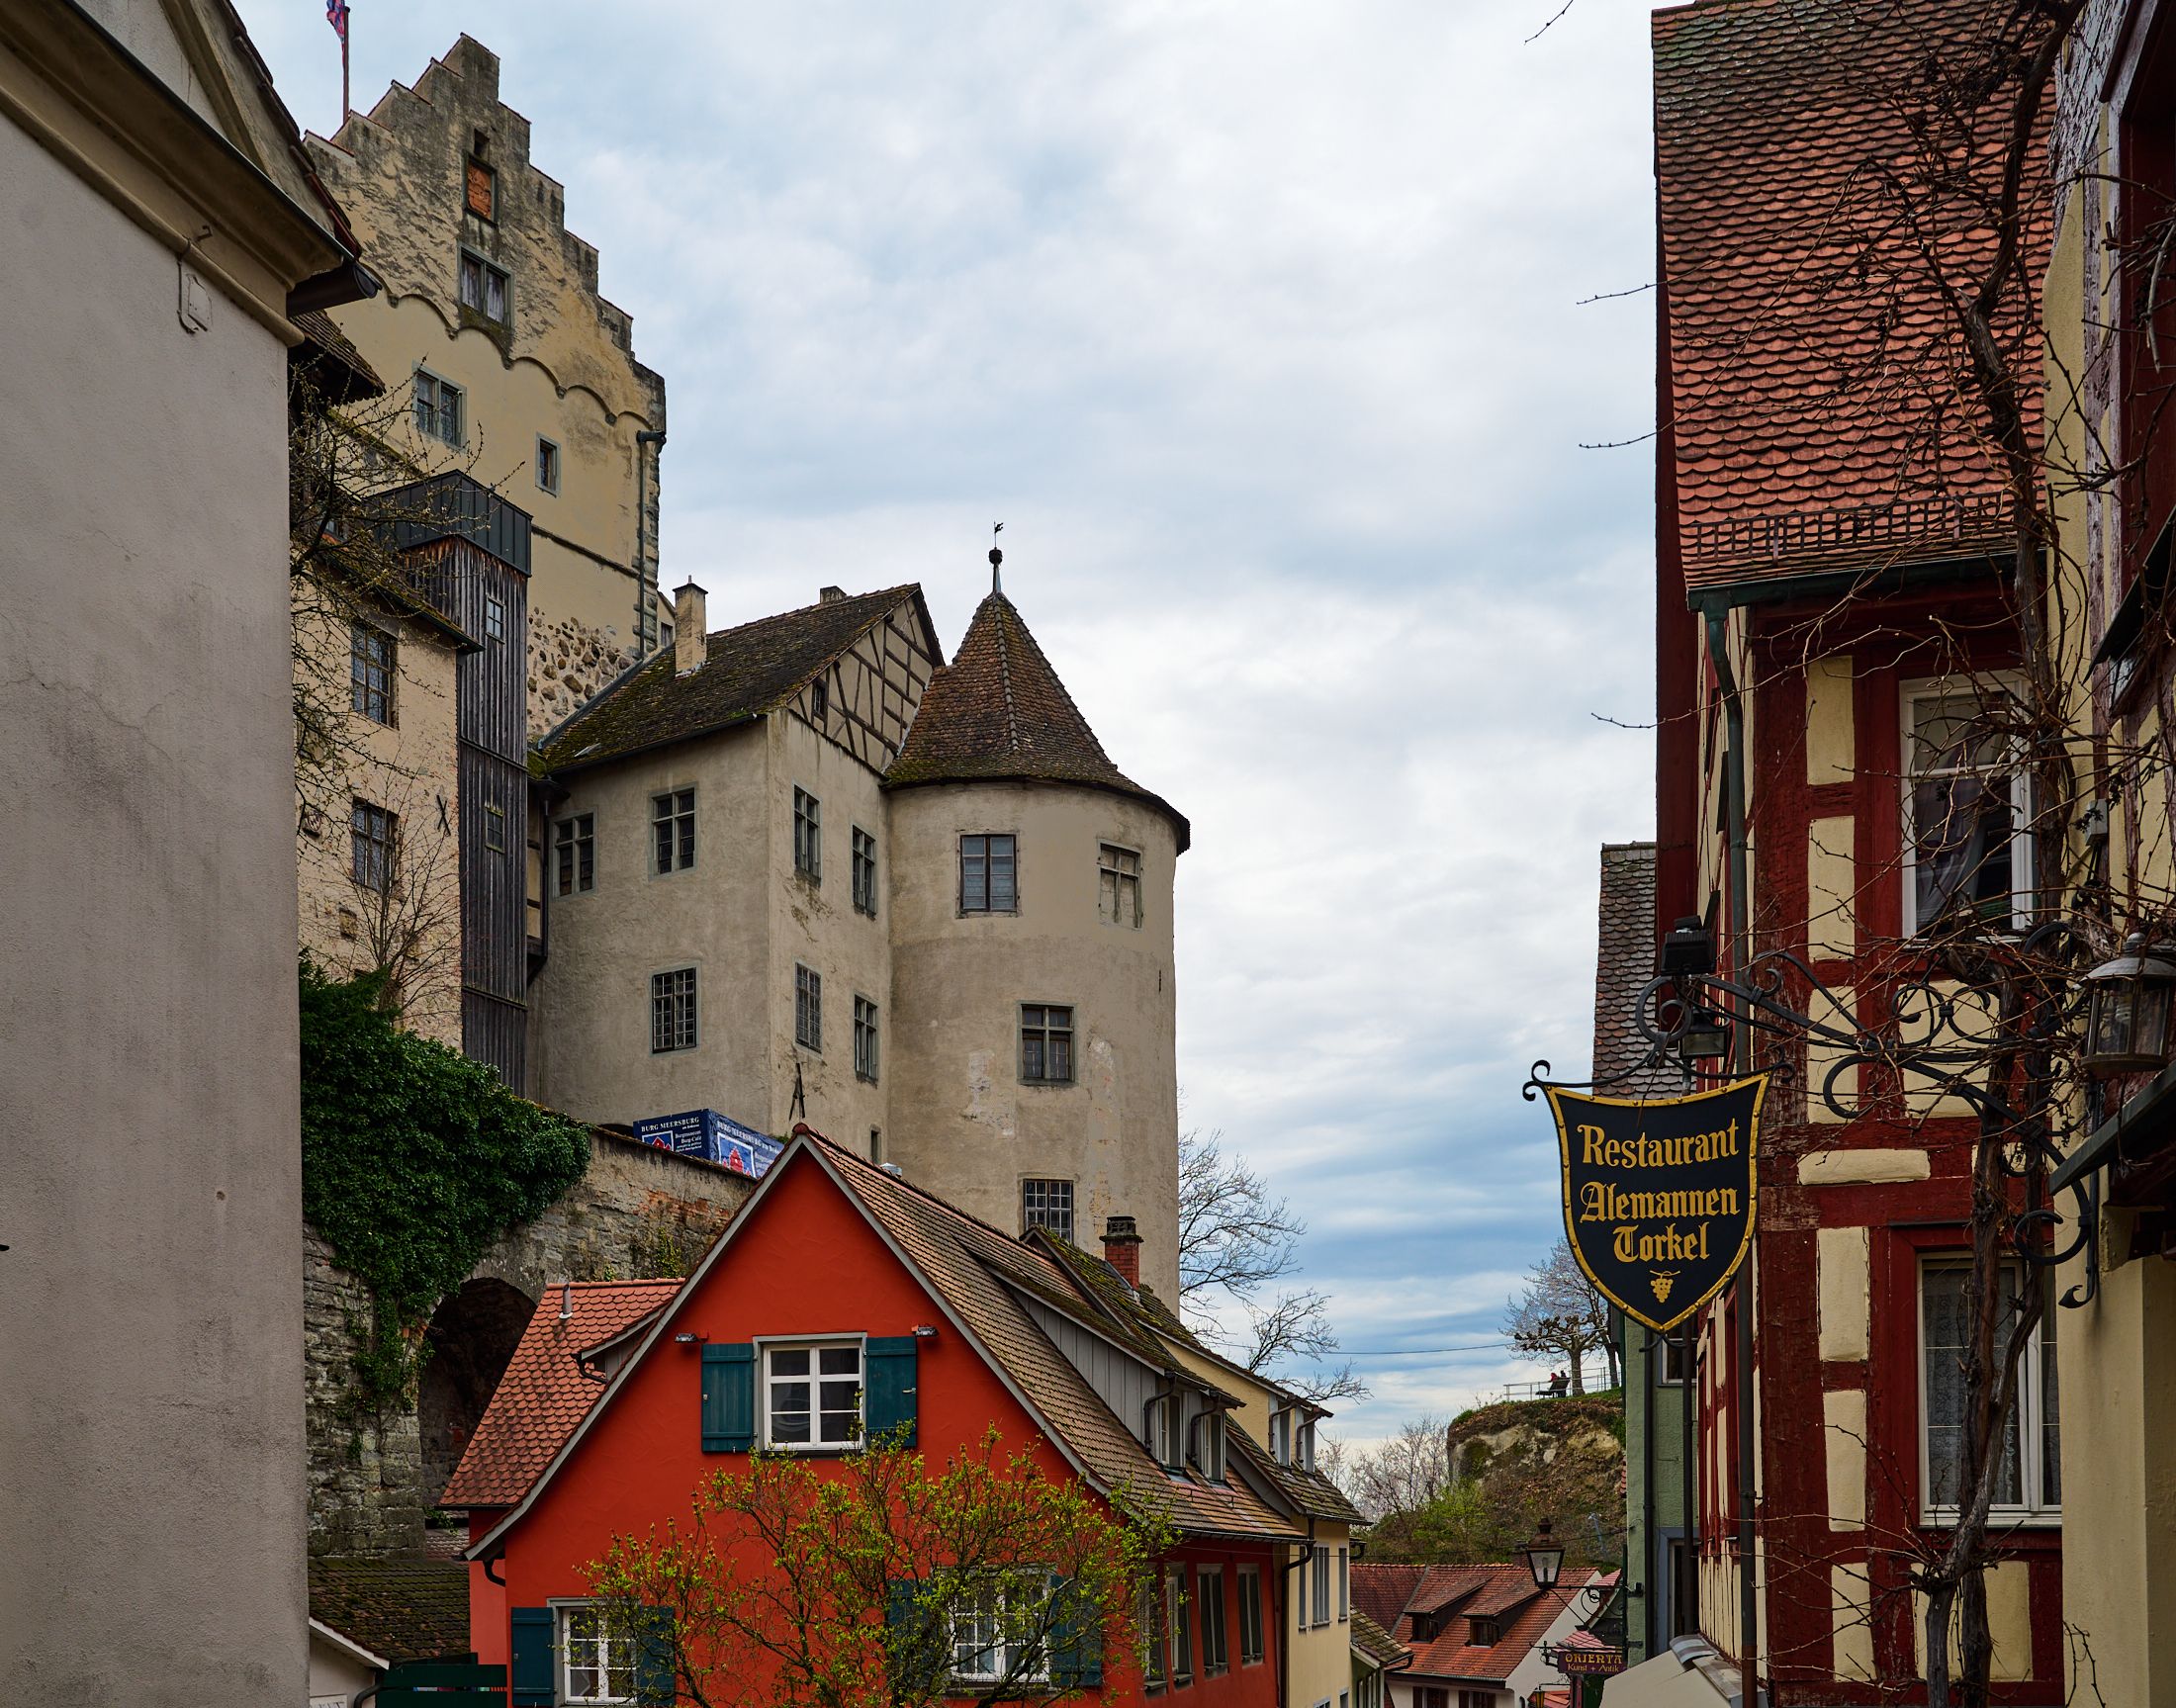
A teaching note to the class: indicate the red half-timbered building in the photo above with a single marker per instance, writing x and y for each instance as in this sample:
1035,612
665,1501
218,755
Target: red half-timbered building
1831,625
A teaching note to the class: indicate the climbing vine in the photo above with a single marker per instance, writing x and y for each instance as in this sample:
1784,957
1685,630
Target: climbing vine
415,1159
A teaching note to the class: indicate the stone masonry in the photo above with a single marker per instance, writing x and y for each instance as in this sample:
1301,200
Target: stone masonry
638,1212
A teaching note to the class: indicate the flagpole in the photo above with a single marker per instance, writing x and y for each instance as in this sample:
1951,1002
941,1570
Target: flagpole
347,104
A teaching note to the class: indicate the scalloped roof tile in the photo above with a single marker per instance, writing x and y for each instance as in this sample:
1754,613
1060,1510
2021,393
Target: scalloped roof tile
998,713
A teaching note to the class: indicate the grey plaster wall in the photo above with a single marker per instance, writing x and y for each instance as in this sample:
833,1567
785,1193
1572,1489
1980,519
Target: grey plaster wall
151,1407
637,1211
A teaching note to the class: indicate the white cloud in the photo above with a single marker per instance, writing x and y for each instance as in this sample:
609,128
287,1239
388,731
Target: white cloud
1256,322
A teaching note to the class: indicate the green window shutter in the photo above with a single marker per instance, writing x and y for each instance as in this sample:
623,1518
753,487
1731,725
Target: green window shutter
532,1674
728,1399
920,1655
1076,1638
887,1388
656,1683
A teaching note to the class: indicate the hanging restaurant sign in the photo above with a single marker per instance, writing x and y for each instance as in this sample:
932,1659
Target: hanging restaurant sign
1658,1195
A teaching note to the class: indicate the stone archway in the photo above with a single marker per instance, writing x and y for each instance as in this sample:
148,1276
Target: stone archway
471,1337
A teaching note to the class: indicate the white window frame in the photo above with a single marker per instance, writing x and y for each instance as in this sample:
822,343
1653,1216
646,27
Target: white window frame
1280,1436
1910,697
1303,1444
1178,1627
2033,1510
562,1658
994,1641
814,1345
1216,1657
1163,1430
1210,1461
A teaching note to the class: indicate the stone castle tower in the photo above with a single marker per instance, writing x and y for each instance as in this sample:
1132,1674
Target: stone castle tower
1075,980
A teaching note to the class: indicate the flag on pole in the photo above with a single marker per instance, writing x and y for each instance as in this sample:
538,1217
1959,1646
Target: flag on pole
336,14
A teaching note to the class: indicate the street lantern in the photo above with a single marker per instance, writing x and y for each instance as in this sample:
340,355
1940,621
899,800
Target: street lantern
2127,1009
1543,1558
1705,1037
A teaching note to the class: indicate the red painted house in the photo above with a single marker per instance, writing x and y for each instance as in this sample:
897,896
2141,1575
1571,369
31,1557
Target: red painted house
1833,635
623,1397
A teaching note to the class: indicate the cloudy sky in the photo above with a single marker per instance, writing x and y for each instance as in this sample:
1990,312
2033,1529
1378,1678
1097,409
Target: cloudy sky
1260,325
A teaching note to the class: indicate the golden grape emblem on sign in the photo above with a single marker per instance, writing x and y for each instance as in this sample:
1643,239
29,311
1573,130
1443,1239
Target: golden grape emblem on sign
1659,1281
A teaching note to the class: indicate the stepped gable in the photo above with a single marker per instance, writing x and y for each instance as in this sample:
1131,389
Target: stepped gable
1813,392
546,1394
747,672
998,713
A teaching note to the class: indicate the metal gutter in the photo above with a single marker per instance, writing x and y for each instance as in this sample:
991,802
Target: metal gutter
1879,578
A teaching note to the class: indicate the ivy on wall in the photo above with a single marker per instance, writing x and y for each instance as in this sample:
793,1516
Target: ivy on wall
415,1160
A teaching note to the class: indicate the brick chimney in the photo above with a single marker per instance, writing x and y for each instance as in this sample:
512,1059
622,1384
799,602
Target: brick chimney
1122,1247
691,629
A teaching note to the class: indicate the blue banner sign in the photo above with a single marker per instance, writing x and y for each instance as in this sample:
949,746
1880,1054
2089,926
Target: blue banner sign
707,1134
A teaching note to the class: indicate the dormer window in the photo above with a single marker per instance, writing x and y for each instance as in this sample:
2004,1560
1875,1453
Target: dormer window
1160,1430
1304,1455
1280,1437
1209,1445
1484,1631
1424,1627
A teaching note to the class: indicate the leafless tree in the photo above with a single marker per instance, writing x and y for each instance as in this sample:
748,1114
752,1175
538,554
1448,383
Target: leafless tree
1560,1315
1236,1241
1400,1475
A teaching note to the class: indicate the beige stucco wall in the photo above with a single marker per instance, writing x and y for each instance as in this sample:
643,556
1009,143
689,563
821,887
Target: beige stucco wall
150,1420
962,1124
814,925
590,1008
563,368
410,769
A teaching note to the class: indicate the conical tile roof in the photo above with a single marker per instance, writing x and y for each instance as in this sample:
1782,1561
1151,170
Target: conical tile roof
998,713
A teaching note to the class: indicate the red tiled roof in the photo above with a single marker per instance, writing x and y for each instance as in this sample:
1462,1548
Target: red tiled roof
544,1394
999,713
1455,1596
1815,377
1381,1590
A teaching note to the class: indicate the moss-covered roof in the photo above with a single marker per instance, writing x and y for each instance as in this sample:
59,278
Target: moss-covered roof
747,672
998,713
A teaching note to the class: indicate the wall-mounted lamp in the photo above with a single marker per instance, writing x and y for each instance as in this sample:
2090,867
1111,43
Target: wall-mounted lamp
2127,1009
687,1337
924,1332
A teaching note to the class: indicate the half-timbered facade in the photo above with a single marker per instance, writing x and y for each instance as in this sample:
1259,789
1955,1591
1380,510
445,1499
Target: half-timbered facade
1833,647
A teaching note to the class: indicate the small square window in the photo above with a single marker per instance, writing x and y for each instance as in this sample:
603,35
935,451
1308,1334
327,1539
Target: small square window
370,669
574,851
1673,1359
989,874
672,1011
598,1661
484,288
812,1395
1046,1044
808,1009
673,825
438,408
547,465
1047,1204
865,1039
495,617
